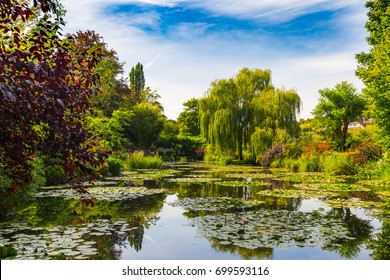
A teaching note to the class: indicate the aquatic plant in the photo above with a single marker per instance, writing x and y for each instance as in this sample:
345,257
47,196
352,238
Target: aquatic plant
138,160
277,228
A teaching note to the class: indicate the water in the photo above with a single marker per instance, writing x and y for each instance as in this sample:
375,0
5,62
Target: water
200,215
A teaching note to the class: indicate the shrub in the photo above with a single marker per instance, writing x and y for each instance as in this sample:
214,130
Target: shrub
291,164
54,173
138,160
309,164
277,163
337,164
114,166
222,160
363,153
225,160
271,154
374,169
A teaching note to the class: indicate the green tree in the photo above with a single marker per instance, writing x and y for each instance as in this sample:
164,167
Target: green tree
45,91
146,125
170,129
374,66
188,120
113,92
337,108
137,81
237,112
112,133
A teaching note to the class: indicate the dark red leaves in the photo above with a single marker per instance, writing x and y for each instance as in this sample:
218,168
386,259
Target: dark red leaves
42,89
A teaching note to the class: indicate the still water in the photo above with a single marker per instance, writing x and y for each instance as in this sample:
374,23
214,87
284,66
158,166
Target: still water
191,212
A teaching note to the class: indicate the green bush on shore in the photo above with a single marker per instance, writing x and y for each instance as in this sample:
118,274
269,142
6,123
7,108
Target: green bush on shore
114,166
337,164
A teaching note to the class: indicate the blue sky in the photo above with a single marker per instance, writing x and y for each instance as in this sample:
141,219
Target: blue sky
186,44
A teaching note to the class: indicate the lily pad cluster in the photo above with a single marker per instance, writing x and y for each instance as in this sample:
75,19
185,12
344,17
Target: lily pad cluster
243,183
152,174
269,229
214,204
289,193
103,193
190,179
332,187
69,242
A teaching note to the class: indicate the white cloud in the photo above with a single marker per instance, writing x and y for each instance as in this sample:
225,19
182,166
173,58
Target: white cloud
181,69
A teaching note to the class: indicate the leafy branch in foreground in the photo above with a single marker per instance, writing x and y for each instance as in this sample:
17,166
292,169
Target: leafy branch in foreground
45,89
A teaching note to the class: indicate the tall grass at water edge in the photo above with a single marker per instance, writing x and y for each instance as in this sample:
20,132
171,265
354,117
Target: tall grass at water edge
138,160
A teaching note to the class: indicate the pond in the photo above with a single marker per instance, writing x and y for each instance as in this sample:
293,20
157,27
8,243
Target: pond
197,211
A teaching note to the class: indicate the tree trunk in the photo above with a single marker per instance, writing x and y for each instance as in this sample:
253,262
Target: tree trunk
344,136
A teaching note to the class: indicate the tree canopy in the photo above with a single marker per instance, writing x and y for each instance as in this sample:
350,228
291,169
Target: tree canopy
188,120
137,80
337,108
246,112
374,66
45,89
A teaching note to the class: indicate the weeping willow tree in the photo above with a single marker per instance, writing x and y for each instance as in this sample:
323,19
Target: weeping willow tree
246,112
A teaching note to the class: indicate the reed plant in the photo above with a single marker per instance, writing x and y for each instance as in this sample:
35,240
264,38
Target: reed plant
138,160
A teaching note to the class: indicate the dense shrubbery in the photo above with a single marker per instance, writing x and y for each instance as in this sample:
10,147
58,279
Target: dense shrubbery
337,164
309,164
374,169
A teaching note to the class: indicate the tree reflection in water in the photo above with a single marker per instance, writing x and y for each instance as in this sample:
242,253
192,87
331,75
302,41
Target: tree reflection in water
381,243
244,253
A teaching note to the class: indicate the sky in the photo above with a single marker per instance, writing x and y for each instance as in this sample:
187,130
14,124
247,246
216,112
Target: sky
184,45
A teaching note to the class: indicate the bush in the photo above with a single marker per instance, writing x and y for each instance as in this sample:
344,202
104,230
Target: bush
309,164
225,160
374,169
138,160
222,160
291,164
52,168
114,166
277,164
337,164
363,153
272,154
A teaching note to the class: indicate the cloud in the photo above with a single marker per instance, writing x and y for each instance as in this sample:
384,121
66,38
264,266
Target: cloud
184,45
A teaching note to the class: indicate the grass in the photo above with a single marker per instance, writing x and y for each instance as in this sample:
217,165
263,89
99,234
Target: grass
138,160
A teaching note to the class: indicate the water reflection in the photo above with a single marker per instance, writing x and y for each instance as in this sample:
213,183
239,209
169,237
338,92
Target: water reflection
360,232
381,243
244,253
159,230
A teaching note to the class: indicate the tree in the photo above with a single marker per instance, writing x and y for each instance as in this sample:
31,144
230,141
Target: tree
146,125
111,133
44,92
337,108
137,80
374,66
188,120
237,112
113,92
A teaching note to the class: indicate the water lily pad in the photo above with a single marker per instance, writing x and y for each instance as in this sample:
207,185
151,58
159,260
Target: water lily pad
72,253
256,229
